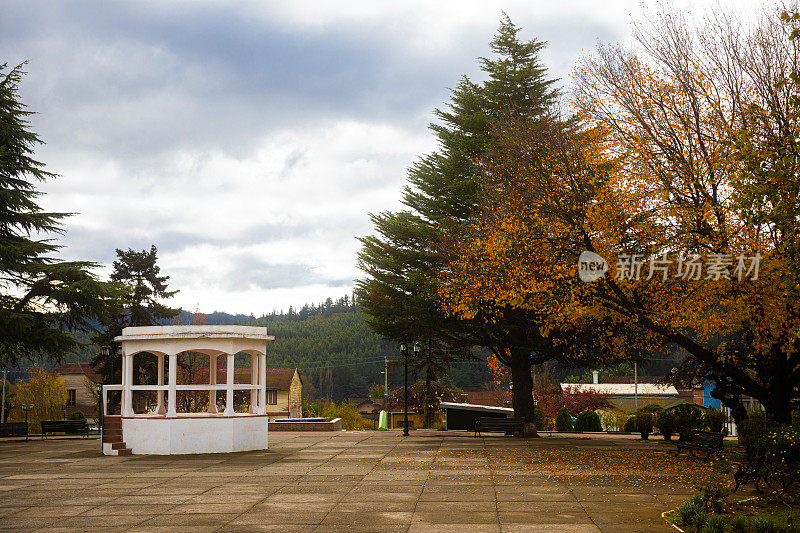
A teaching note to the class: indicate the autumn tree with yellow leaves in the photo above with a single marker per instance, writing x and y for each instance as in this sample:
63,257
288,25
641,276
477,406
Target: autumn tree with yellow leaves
680,168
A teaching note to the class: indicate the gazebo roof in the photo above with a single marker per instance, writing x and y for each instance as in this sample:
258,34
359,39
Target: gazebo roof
193,332
208,339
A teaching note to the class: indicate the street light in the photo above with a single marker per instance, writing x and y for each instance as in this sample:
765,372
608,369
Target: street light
26,407
404,353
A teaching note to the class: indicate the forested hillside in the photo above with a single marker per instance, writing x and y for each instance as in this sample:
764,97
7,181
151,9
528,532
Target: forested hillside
338,355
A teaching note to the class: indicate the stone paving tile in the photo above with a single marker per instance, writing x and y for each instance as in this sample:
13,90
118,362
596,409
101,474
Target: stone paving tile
354,482
548,528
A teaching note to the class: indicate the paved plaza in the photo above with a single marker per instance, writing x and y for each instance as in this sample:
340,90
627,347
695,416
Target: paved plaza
349,481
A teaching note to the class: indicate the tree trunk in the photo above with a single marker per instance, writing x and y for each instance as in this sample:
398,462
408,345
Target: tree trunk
734,403
779,405
522,394
426,419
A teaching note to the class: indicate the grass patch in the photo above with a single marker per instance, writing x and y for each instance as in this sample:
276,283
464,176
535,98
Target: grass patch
749,516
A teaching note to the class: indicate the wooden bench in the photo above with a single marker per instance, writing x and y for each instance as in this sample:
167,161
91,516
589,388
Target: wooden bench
506,425
14,429
65,426
753,471
701,441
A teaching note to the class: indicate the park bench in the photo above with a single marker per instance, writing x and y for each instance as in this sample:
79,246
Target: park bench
701,441
753,471
65,426
14,429
506,425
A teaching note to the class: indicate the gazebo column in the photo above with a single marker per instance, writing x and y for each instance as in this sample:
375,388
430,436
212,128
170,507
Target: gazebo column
127,383
229,396
160,408
254,360
212,380
172,399
262,389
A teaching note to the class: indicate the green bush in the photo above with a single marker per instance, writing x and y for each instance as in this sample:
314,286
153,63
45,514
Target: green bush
714,524
652,408
588,421
688,417
715,420
713,498
765,525
687,511
539,419
630,425
753,433
77,415
563,420
644,424
351,418
783,462
699,520
739,524
666,424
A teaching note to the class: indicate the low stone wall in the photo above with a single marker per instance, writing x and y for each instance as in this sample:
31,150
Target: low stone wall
333,425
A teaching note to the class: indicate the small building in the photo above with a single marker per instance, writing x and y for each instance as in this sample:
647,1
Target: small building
464,415
396,419
630,396
491,398
81,381
284,393
368,408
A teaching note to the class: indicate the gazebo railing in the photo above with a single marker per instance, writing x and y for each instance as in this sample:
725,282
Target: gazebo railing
165,388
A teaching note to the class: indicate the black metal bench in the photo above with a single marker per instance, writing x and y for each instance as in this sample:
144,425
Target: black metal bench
506,425
65,426
701,441
753,471
14,429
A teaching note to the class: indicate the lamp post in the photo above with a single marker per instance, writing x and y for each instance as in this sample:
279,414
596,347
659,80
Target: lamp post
26,407
99,389
404,353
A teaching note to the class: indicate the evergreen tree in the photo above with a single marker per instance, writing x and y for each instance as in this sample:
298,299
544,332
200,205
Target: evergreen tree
403,259
42,300
140,275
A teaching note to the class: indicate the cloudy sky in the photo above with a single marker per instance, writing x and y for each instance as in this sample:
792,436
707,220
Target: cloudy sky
249,141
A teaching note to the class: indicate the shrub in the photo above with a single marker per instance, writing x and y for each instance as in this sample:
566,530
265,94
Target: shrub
77,415
588,421
644,424
739,524
765,525
46,392
687,511
713,498
666,424
783,462
351,418
714,524
630,425
614,419
687,418
652,408
563,420
714,420
539,419
753,433
699,520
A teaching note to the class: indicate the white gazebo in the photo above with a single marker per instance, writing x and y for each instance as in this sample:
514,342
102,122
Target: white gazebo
165,430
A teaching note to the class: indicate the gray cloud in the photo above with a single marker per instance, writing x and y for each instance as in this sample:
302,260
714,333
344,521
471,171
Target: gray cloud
250,140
